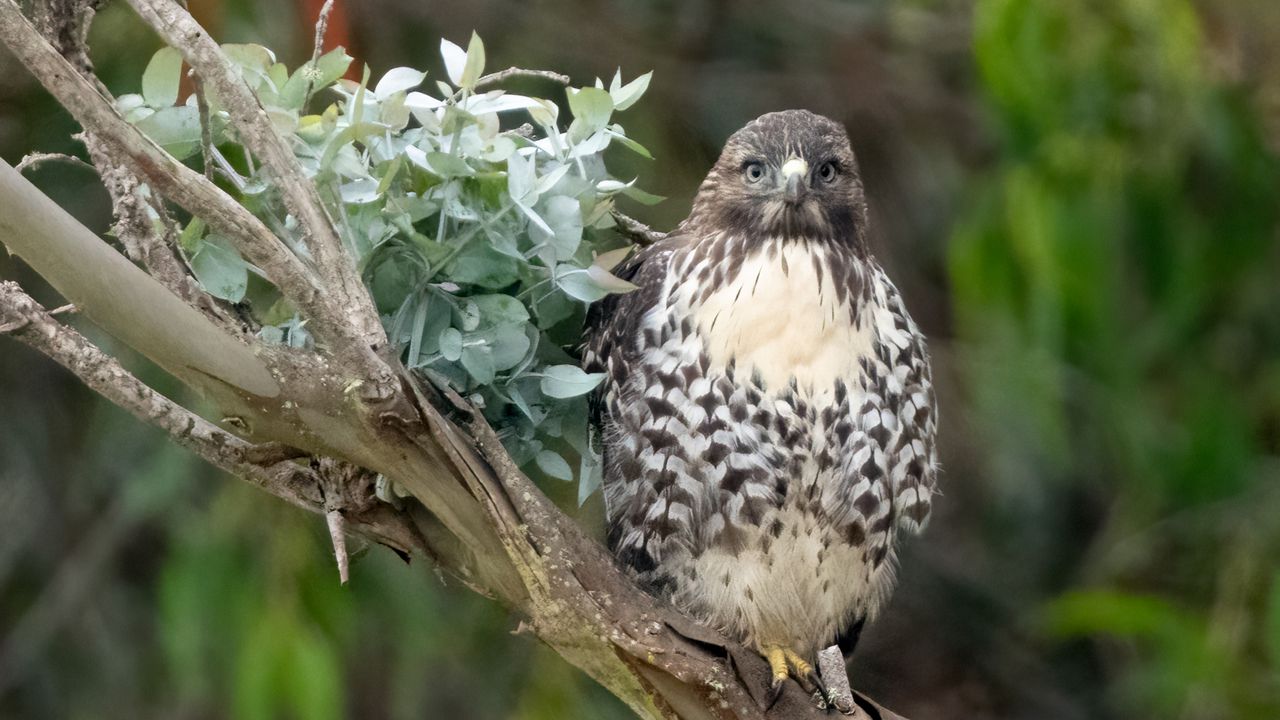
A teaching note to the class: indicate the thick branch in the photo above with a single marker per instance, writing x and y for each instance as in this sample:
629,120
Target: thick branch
24,319
269,467
334,265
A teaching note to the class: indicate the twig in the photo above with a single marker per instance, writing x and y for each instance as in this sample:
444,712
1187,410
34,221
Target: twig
836,677
322,26
496,78
638,232
206,128
31,161
338,536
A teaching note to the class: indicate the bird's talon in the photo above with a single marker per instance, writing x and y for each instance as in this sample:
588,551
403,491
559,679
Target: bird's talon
784,663
775,692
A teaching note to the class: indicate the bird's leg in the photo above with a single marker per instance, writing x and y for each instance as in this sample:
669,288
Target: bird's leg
777,658
785,662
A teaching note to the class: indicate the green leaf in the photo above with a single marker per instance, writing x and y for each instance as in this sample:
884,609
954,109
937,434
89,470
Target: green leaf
482,265
590,477
327,69
447,166
566,381
500,309
642,197
254,62
451,344
508,345
635,147
191,235
563,215
220,269
161,78
552,464
176,129
478,361
591,106
455,61
396,80
624,96
578,283
474,66
331,66
609,282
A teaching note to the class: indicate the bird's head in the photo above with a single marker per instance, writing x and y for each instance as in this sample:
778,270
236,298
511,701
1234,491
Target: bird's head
789,174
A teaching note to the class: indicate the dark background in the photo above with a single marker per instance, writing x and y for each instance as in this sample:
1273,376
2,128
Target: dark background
1079,200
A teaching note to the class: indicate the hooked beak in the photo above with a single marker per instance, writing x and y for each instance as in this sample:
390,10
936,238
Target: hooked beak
794,174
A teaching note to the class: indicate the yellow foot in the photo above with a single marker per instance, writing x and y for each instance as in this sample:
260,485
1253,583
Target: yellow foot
785,662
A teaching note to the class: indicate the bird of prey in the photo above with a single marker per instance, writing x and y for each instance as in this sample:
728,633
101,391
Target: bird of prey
767,412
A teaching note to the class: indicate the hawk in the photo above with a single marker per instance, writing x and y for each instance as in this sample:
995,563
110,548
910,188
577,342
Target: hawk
767,412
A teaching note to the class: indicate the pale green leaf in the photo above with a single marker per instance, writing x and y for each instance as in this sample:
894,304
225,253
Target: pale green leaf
220,269
455,61
161,78
591,106
566,381
474,65
552,464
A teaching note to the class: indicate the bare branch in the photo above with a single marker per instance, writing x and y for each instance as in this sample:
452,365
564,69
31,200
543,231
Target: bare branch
31,161
638,232
338,536
271,467
334,264
497,78
194,192
206,127
24,318
322,26
836,677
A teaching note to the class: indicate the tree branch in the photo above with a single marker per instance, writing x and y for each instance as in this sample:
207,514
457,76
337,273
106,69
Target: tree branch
269,467
334,265
636,231
195,193
497,78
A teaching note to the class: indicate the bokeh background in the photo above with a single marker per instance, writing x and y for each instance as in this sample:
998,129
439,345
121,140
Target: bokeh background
1081,202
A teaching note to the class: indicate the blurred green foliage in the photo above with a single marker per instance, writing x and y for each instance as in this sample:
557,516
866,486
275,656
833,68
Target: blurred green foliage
1079,199
1115,285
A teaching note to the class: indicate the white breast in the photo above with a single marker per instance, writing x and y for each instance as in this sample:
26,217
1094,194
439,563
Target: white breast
782,319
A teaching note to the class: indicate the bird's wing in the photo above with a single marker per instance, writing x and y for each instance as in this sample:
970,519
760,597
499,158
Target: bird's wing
612,334
912,454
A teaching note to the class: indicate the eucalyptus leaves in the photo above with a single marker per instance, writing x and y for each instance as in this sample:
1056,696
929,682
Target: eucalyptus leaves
481,242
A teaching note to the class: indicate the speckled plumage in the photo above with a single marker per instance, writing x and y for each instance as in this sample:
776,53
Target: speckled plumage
767,415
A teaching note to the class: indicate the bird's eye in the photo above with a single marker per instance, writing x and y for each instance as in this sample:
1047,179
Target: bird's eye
753,172
828,172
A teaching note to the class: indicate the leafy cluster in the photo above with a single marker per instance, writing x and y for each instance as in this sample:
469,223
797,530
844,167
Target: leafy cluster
482,242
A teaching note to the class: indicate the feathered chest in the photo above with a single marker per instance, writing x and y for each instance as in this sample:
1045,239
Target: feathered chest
780,312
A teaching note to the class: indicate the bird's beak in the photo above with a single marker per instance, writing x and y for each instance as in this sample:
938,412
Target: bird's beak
794,173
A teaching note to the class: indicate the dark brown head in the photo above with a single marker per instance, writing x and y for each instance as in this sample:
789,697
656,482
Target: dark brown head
789,174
